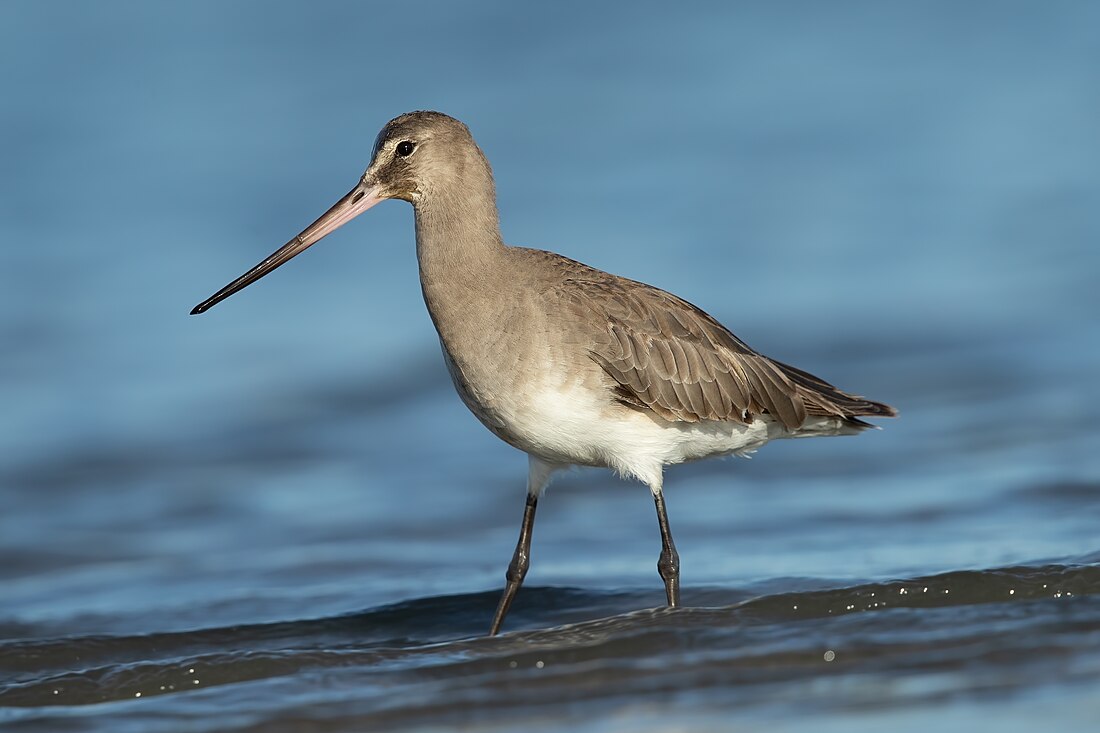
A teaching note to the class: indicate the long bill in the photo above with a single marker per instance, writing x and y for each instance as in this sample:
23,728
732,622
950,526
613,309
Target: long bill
358,200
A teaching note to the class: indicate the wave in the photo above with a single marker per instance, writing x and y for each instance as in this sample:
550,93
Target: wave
945,621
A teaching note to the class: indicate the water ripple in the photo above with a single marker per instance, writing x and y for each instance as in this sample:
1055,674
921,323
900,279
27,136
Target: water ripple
977,625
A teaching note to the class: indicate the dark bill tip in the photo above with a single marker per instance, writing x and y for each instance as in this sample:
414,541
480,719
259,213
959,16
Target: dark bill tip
357,201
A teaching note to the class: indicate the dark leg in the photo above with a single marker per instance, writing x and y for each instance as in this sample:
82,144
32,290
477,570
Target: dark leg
517,569
669,563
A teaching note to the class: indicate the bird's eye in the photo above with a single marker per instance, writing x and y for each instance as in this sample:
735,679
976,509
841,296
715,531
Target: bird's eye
405,148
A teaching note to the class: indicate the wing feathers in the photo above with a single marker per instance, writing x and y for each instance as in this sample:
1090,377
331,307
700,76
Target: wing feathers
666,355
673,358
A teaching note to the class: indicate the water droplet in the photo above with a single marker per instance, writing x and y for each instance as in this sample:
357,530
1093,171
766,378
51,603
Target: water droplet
1012,591
830,655
512,664
540,664
137,694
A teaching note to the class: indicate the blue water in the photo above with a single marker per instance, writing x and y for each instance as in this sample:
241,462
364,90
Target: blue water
278,516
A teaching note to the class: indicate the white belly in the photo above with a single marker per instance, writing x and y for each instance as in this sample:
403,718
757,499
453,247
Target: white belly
563,419
571,423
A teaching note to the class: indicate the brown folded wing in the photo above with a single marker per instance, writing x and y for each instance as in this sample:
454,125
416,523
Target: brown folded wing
666,355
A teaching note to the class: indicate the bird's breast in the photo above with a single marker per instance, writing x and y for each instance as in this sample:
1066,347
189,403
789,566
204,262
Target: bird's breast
529,396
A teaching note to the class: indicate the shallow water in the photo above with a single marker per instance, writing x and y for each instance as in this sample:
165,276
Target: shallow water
981,636
279,516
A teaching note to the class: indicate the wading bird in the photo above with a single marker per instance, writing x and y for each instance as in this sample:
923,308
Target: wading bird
572,365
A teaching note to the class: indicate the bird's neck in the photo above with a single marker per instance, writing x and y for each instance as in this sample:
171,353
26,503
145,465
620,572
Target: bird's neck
458,245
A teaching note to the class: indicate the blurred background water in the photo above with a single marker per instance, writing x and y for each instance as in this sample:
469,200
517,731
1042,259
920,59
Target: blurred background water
281,514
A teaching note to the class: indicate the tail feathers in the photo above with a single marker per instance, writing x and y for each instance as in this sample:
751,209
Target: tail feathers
823,398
